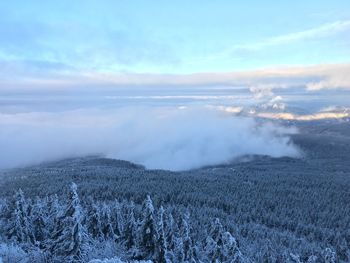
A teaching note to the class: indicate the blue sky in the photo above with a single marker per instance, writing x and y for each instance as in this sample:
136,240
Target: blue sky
177,37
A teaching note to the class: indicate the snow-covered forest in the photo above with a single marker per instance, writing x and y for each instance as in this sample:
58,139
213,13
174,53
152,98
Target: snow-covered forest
53,230
50,229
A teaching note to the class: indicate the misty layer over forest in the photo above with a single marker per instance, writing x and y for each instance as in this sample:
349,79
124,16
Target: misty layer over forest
256,208
163,138
190,175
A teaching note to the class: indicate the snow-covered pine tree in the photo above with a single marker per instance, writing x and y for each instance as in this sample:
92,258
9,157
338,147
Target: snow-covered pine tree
19,226
269,255
130,230
216,231
170,229
211,249
54,209
221,246
329,256
70,239
293,257
94,224
106,223
148,231
39,220
213,242
312,259
229,252
118,220
161,249
178,250
186,238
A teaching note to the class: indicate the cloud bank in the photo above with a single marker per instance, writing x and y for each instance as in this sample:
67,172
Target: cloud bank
19,76
162,138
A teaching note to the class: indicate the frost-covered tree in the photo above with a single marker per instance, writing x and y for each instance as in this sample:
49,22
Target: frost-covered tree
130,230
269,254
161,248
118,220
329,256
186,238
229,250
312,259
93,221
211,249
293,257
216,231
170,229
54,208
221,246
70,240
148,230
39,220
178,251
106,222
19,226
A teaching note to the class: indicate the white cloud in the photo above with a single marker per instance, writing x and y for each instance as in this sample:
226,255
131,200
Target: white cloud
328,76
335,77
308,117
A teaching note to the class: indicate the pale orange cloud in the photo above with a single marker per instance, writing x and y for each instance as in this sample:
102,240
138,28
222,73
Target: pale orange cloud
315,77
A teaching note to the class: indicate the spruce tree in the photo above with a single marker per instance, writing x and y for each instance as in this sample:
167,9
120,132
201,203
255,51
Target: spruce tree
70,238
130,230
170,229
148,231
216,231
19,226
211,249
229,251
179,250
94,224
118,220
222,246
106,223
161,253
54,208
39,221
186,238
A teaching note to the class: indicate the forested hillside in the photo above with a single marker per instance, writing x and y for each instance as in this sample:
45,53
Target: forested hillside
267,210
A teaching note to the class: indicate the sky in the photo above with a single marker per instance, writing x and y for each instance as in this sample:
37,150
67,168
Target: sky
90,48
174,37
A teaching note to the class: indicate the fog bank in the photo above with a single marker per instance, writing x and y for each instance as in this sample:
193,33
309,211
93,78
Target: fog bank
164,137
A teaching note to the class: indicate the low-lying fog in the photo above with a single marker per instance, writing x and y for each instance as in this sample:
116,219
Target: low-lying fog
157,137
163,130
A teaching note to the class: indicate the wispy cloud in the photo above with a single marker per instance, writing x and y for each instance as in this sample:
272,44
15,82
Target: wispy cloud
322,31
317,32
